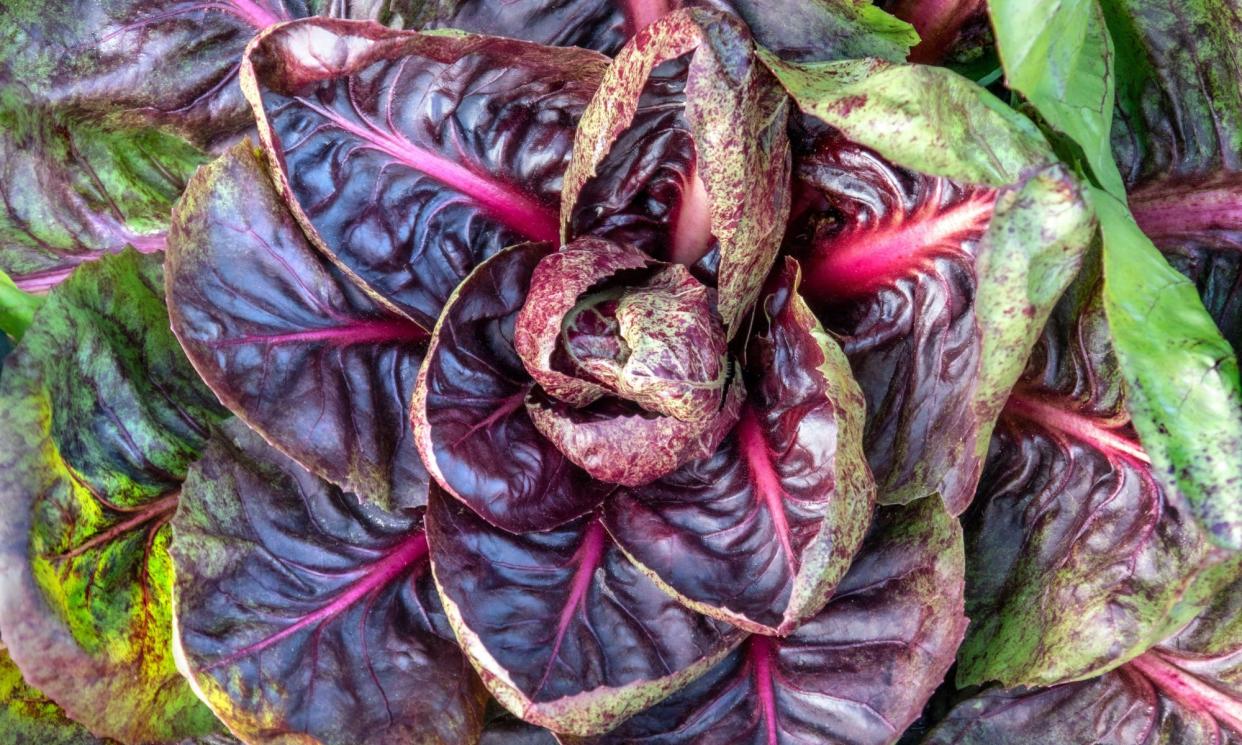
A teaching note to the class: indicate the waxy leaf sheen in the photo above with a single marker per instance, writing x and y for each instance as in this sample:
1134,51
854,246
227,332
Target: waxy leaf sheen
857,673
1078,559
307,615
100,415
939,291
737,194
784,501
286,341
565,631
409,157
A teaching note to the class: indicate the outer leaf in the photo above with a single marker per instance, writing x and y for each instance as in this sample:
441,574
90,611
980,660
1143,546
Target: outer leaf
1060,56
72,192
859,672
99,417
303,615
1187,691
736,115
925,118
471,405
1079,560
408,157
286,342
1179,139
565,631
17,308
165,63
940,292
27,716
822,30
784,502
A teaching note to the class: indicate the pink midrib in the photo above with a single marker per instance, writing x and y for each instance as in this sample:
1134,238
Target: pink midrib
1188,690
361,332
510,207
766,481
762,650
255,14
1050,416
1165,210
397,560
42,281
862,260
639,14
588,558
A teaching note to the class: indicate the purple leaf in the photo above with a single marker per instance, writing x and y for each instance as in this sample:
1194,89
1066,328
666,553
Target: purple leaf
304,614
922,277
565,631
409,157
785,500
470,407
859,672
1079,560
286,342
737,192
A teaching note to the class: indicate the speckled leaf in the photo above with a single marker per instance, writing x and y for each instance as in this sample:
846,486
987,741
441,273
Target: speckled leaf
27,716
71,192
305,615
1178,137
470,407
1186,691
857,673
411,157
737,194
1078,559
286,342
939,291
785,500
565,631
100,415
17,309
795,29
925,118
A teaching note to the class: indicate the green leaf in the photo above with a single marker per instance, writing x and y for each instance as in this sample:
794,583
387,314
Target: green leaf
72,192
27,716
1060,56
100,416
926,118
1182,376
17,308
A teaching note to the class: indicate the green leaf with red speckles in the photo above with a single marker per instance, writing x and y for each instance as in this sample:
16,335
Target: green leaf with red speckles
27,716
736,195
1078,559
306,615
100,415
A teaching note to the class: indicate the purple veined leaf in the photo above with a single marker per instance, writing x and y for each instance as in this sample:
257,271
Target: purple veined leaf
408,158
471,420
784,501
1079,560
939,291
73,192
286,342
857,673
736,192
601,25
170,64
1185,691
100,416
305,614
564,630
